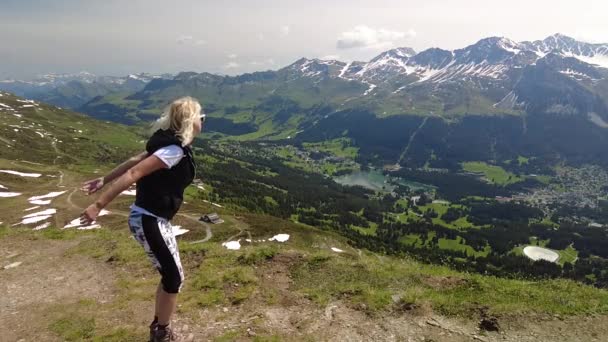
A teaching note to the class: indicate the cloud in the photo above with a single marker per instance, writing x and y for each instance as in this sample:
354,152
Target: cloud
189,40
330,57
183,39
232,56
362,36
267,62
261,36
284,30
232,65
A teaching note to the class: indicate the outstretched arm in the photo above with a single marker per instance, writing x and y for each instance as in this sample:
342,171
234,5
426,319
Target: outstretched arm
94,185
132,175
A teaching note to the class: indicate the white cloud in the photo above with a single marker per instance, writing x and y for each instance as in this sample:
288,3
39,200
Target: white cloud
362,36
232,65
330,57
284,30
184,39
190,40
267,62
232,56
589,36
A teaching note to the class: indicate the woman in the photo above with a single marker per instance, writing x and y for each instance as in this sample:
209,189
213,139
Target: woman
161,173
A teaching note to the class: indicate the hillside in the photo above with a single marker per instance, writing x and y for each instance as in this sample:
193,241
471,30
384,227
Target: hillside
97,285
37,132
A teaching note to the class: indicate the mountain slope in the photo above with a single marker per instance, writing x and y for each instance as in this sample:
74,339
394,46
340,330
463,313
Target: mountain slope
66,284
535,90
41,133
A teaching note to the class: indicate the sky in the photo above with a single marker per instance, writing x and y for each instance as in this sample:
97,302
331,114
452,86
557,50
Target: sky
119,37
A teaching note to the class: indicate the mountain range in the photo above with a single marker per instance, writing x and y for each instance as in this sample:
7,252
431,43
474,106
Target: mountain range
493,100
74,90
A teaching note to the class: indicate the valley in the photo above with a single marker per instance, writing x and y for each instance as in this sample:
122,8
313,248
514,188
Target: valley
437,191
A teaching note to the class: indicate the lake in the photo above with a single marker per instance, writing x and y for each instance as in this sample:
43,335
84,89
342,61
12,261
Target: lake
375,180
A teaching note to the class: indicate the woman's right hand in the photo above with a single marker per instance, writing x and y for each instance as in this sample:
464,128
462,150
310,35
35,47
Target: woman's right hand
92,186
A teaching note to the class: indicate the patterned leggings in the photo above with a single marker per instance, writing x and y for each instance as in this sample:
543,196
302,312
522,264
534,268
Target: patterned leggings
156,237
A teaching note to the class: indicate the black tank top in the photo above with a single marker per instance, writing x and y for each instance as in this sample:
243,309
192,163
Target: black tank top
162,191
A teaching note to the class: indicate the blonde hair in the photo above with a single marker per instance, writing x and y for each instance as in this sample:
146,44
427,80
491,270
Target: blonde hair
180,116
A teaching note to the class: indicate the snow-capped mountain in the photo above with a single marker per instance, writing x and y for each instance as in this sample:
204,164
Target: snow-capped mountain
494,58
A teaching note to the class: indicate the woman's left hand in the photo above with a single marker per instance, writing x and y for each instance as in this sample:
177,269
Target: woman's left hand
89,215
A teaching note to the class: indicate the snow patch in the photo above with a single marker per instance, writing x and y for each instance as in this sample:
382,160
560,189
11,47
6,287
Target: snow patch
91,226
233,245
49,195
13,265
9,194
370,89
33,219
43,226
598,60
40,202
177,230
597,120
46,212
337,250
539,253
22,174
75,223
279,238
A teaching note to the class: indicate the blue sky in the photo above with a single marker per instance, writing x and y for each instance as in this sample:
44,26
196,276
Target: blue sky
117,37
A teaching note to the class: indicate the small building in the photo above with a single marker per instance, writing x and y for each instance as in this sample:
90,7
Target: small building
212,218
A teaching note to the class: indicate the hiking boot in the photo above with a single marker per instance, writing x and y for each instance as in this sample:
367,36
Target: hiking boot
164,335
152,329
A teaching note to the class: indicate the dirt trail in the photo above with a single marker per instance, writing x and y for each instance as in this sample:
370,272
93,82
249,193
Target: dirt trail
411,139
45,277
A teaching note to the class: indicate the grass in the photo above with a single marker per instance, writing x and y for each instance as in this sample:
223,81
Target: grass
522,160
440,209
74,328
567,255
85,320
340,147
370,281
366,231
411,240
494,174
366,281
458,245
